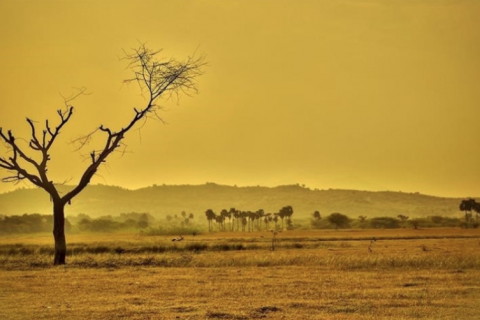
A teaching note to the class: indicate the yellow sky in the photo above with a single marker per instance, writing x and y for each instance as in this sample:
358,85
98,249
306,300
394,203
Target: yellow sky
358,94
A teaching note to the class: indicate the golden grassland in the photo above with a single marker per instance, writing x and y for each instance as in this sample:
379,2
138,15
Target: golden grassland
406,274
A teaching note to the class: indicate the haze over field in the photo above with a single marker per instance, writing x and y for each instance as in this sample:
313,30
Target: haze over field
368,95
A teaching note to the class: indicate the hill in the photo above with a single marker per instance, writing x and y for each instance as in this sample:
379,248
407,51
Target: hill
99,200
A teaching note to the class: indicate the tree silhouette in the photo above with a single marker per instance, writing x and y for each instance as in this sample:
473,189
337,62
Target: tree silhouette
339,220
476,208
220,222
224,214
244,222
259,214
236,215
156,78
316,219
403,218
362,218
285,212
232,214
467,206
275,220
210,217
251,218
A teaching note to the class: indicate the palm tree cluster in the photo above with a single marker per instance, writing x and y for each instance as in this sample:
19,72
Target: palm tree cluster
239,220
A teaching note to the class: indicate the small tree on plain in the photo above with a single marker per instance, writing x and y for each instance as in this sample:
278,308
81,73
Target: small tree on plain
476,208
403,218
362,218
339,220
415,223
316,219
467,206
156,79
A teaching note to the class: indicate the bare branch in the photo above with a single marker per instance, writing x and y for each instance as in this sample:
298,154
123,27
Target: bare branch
13,163
84,140
156,78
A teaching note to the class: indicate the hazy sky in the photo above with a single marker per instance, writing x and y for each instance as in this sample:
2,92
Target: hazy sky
357,94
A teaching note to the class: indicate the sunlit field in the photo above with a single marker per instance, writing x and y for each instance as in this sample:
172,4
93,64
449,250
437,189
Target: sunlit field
354,274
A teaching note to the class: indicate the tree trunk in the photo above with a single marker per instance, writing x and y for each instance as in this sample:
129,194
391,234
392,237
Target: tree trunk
59,232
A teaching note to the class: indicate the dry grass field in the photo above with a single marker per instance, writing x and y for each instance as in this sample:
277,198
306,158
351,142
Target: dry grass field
404,274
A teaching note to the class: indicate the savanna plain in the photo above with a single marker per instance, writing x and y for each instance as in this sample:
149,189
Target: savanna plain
327,274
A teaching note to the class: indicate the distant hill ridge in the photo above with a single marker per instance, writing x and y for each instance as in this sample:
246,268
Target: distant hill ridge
99,200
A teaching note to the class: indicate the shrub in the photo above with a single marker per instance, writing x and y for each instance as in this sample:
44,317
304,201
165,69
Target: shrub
172,231
339,220
384,223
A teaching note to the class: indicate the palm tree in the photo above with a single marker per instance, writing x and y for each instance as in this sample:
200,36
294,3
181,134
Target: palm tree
275,220
250,216
285,212
267,219
220,220
210,216
237,215
223,214
232,214
259,215
244,222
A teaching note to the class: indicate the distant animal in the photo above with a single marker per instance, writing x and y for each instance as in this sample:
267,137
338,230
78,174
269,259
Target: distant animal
178,239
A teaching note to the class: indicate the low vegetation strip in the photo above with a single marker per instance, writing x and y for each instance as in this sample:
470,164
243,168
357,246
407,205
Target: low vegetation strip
232,244
456,262
453,253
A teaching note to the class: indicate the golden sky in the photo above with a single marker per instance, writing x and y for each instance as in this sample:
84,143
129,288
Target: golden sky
356,94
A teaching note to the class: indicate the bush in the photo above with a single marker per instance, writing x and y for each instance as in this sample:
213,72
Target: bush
339,220
172,231
384,223
439,221
28,223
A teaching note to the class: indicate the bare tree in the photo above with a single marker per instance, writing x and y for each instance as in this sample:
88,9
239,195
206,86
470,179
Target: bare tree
157,79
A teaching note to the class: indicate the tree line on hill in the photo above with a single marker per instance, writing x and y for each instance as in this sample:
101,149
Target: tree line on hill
341,221
338,220
231,220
